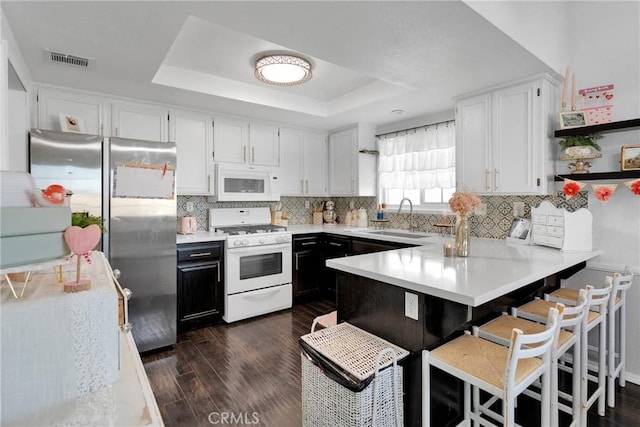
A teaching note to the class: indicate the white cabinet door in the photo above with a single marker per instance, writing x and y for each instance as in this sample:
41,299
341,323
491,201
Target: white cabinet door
314,163
513,159
502,139
291,162
264,142
140,121
88,109
230,140
473,133
193,135
343,146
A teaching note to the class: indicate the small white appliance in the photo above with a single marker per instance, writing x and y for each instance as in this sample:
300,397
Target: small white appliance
240,183
257,262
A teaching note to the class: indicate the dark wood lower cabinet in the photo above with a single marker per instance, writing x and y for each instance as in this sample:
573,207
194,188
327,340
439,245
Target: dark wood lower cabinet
308,265
334,247
200,285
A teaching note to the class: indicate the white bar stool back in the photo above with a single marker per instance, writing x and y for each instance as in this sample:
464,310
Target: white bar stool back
504,372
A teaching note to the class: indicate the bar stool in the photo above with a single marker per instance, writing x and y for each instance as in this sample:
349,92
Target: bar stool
597,300
504,372
617,304
498,330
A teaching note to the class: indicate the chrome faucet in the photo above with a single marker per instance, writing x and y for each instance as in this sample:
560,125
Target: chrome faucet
411,226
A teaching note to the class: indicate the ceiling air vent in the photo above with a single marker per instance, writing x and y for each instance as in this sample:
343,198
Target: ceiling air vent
67,58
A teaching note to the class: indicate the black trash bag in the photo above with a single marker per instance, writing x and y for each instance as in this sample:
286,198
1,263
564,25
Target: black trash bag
333,371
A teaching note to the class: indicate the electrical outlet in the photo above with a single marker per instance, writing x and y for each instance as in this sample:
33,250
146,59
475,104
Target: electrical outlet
352,205
411,305
189,206
518,209
306,204
481,210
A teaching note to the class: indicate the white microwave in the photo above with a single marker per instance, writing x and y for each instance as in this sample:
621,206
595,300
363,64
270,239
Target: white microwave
239,183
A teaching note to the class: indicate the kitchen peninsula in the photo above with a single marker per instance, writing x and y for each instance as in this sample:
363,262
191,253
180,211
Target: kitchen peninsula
452,294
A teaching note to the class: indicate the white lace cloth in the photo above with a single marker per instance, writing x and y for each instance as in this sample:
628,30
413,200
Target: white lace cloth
57,347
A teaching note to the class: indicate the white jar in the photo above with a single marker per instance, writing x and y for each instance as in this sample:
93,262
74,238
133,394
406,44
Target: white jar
363,221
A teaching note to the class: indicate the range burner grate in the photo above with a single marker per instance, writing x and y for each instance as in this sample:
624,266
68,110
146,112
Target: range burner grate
251,229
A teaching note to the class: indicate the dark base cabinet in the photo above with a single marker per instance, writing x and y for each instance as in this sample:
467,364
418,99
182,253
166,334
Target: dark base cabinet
334,247
200,284
308,265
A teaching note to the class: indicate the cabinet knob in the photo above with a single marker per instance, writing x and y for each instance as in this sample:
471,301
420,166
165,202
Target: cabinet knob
116,273
126,292
126,328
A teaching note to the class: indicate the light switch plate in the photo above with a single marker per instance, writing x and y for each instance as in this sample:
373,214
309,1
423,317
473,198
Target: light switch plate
189,206
411,305
306,204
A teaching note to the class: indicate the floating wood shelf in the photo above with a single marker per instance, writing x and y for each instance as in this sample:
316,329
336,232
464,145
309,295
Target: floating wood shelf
593,176
601,128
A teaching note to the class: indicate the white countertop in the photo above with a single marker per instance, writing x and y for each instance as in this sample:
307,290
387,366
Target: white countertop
493,269
200,236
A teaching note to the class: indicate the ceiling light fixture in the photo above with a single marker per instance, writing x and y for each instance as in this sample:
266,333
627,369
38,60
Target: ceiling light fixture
283,70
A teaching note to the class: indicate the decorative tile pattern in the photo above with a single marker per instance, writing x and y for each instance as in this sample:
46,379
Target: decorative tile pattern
495,224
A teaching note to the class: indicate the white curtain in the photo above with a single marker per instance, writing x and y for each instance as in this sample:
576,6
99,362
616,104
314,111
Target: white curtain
420,159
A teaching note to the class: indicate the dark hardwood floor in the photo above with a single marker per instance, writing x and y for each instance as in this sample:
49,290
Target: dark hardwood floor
249,372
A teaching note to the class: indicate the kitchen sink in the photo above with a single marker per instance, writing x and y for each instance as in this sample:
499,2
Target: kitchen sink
393,233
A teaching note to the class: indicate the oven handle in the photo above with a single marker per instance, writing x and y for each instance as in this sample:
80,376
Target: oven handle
268,248
262,292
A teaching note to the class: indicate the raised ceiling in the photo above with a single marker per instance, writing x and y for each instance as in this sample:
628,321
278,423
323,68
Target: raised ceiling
369,58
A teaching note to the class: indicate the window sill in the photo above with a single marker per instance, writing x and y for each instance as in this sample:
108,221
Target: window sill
435,209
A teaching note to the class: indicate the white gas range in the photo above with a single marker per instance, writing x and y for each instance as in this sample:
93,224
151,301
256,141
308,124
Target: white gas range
257,262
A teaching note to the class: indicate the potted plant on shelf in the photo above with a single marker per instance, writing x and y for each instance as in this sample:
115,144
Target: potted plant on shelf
580,145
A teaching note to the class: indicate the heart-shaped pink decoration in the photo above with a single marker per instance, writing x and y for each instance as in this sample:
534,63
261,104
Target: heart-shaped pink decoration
82,240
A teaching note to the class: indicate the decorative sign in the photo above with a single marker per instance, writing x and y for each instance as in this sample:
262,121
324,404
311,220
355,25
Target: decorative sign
140,181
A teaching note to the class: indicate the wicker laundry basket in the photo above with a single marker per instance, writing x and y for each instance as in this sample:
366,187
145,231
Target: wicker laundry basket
350,378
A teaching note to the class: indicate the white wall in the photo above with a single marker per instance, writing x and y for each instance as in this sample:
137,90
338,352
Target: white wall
14,111
600,41
605,41
538,26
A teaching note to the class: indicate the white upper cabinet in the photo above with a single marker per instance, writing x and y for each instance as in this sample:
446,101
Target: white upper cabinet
230,140
292,162
193,134
264,144
502,139
88,110
352,173
315,163
303,165
140,121
238,141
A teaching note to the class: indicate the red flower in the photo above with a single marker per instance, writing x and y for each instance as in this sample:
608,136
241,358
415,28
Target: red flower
604,193
635,187
571,189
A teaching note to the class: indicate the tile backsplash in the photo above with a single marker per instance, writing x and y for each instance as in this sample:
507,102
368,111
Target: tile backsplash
495,224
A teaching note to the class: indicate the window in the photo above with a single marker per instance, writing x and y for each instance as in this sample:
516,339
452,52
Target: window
418,164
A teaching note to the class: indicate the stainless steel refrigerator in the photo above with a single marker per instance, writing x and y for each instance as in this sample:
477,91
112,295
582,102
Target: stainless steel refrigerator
131,184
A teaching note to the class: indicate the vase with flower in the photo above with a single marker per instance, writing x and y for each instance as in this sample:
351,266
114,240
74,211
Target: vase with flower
463,203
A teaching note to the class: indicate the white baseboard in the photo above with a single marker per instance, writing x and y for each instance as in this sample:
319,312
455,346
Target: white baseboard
631,378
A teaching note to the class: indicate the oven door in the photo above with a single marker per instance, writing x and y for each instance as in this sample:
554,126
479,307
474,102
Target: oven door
256,267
